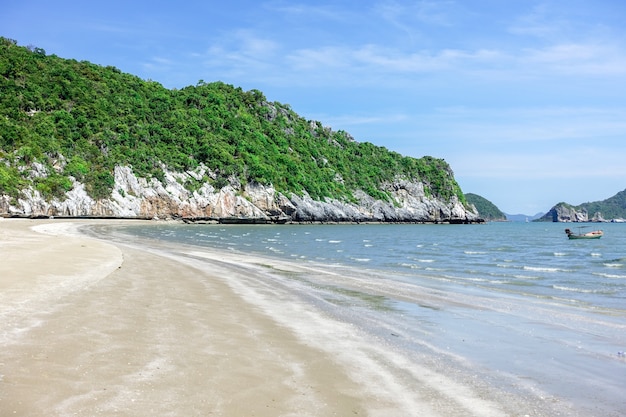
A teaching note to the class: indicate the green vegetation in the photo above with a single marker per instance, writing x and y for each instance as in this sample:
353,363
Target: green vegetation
486,209
81,120
611,208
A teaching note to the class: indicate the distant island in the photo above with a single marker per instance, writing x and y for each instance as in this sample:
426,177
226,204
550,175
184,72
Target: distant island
486,209
523,217
612,209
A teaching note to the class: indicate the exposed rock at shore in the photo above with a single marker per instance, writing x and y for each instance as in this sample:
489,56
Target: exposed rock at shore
134,197
565,213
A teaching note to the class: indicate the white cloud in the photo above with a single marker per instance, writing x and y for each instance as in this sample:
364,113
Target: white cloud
306,10
539,22
529,125
578,58
371,61
357,120
320,59
527,164
405,15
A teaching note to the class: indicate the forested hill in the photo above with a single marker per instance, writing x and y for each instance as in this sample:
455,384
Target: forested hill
78,121
486,209
613,208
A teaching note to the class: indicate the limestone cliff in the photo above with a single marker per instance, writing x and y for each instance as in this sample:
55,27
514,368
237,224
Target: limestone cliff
135,197
566,213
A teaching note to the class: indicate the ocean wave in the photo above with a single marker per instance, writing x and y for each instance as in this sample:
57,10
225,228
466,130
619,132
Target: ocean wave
582,290
522,283
476,279
542,269
275,250
613,265
526,277
416,266
200,235
619,260
612,276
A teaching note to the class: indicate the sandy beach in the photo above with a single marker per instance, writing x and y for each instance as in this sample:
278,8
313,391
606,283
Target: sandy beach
92,327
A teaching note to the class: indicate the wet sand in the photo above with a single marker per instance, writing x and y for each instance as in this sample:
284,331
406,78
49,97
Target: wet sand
91,327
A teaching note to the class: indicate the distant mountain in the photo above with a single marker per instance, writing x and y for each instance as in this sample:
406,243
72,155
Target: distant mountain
486,209
613,208
522,217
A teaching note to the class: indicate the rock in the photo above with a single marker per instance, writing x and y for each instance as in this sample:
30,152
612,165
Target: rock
134,197
566,213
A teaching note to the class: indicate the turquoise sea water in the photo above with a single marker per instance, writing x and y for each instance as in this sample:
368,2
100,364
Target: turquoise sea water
518,304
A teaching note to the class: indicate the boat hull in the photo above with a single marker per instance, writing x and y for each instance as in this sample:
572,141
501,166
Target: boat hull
596,234
584,237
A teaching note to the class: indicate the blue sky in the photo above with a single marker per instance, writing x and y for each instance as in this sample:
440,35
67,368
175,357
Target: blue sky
525,99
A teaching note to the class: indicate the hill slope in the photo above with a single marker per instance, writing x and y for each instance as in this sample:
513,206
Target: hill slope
64,123
609,209
486,209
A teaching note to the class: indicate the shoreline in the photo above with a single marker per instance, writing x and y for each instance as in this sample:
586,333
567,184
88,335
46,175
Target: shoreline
135,330
239,220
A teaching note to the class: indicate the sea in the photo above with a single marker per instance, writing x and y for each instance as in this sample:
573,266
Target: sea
516,305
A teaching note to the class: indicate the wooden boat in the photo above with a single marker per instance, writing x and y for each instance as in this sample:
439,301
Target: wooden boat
596,234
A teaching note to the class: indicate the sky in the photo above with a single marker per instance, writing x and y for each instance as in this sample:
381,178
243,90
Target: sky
525,99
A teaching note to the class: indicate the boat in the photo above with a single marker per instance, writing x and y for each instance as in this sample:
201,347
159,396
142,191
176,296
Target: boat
596,234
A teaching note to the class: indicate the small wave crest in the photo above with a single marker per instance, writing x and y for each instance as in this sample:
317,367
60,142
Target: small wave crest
542,269
582,290
611,276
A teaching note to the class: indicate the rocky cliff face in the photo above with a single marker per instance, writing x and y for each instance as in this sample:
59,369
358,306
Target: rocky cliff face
566,213
134,197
